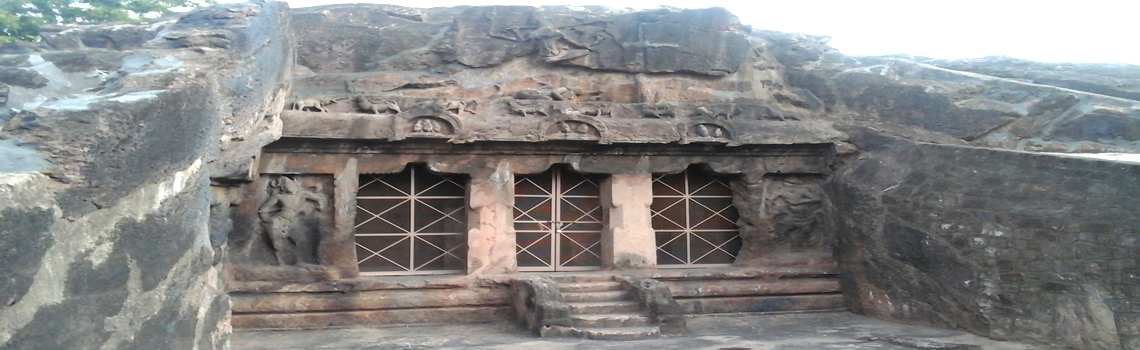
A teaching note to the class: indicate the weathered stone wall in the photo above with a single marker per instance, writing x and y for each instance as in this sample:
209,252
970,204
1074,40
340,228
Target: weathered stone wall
110,138
1006,244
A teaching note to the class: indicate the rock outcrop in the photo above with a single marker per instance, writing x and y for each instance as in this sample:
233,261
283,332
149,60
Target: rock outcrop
111,137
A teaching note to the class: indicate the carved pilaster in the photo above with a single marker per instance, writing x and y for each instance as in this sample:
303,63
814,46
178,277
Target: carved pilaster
628,240
490,221
338,248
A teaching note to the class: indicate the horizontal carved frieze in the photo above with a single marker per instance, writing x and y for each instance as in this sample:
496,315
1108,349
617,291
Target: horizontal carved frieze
539,120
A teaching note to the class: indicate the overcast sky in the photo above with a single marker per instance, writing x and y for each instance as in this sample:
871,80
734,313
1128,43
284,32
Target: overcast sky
1042,30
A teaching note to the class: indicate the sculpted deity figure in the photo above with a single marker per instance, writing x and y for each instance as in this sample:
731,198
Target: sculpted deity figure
283,217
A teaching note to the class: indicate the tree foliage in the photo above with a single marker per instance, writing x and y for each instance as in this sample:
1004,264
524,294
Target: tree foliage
21,19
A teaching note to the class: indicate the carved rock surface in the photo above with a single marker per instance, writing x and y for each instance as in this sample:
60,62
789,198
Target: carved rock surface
377,37
707,41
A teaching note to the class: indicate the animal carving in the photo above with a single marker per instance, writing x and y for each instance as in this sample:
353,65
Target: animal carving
658,111
533,94
526,110
314,103
713,113
456,106
546,94
598,111
563,94
376,106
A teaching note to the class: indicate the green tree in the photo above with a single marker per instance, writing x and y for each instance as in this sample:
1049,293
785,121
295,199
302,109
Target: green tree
21,19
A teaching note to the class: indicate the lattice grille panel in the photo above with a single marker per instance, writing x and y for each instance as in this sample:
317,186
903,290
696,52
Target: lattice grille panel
412,222
694,220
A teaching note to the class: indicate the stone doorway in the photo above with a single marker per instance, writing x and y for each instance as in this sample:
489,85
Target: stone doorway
411,223
558,220
694,219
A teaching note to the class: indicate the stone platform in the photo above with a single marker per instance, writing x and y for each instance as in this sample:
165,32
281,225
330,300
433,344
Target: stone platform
373,301
826,330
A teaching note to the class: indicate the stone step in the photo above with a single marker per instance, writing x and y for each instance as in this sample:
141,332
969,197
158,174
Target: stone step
582,278
319,320
612,320
787,303
727,288
613,295
618,333
367,300
590,286
604,307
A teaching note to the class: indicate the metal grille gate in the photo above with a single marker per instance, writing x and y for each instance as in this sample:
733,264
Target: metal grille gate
694,220
411,223
558,221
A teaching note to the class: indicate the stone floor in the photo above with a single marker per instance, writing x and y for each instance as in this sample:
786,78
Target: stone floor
807,331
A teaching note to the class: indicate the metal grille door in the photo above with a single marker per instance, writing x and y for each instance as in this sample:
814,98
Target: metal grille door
558,221
410,223
694,220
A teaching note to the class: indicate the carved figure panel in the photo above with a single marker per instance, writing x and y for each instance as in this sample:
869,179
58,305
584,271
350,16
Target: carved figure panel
708,132
573,130
292,217
431,126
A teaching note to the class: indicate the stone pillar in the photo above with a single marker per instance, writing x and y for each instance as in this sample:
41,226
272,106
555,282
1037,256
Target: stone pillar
490,222
628,241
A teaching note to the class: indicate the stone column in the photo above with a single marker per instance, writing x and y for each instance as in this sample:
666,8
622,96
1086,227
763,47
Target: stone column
490,221
628,241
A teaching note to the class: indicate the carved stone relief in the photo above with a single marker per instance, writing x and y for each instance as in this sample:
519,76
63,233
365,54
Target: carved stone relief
527,109
312,104
779,214
552,102
793,205
708,132
290,219
658,111
573,130
376,105
431,126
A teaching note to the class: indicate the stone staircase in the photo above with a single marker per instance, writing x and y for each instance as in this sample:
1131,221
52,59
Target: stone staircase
602,308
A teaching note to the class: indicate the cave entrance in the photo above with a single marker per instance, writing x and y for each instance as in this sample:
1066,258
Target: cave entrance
558,220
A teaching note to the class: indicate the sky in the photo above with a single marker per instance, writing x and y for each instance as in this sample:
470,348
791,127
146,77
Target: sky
1089,31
